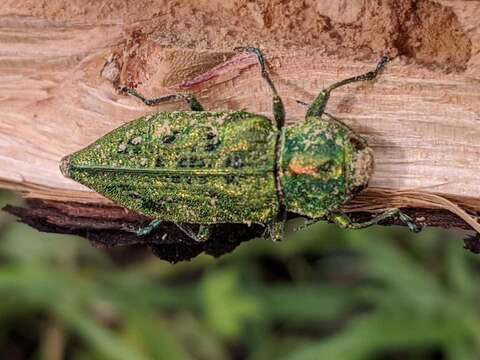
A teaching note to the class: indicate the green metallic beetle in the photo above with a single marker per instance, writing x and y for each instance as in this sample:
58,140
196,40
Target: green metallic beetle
200,167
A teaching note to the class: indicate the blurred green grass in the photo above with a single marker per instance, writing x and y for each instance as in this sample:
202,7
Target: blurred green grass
380,293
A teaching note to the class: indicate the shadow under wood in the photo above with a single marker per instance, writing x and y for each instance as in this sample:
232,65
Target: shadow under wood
107,227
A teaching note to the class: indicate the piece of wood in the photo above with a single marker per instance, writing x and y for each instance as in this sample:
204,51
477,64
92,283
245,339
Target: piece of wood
57,95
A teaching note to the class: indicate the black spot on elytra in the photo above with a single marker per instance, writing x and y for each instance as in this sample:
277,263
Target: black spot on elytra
168,139
196,162
151,205
133,150
211,146
123,190
201,179
212,141
159,162
192,162
230,179
183,163
234,161
176,179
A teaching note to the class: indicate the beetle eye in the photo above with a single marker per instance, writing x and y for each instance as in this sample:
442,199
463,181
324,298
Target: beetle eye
357,144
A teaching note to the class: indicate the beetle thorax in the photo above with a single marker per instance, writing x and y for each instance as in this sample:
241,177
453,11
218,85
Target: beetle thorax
322,167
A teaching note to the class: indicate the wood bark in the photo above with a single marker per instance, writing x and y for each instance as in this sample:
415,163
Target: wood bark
58,94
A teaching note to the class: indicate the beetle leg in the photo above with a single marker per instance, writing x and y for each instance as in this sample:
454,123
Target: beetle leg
275,230
317,108
202,234
342,220
190,99
148,229
278,108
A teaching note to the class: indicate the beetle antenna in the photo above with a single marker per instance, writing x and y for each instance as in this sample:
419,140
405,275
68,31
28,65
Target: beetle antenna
318,106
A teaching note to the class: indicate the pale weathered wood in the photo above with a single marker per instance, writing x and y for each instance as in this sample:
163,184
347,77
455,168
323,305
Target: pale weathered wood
54,99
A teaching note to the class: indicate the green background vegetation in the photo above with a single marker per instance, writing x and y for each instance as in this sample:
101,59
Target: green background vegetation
380,293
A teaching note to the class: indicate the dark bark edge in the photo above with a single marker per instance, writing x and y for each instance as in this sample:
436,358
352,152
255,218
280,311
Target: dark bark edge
106,227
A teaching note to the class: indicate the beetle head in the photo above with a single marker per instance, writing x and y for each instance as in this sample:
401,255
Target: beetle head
360,169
